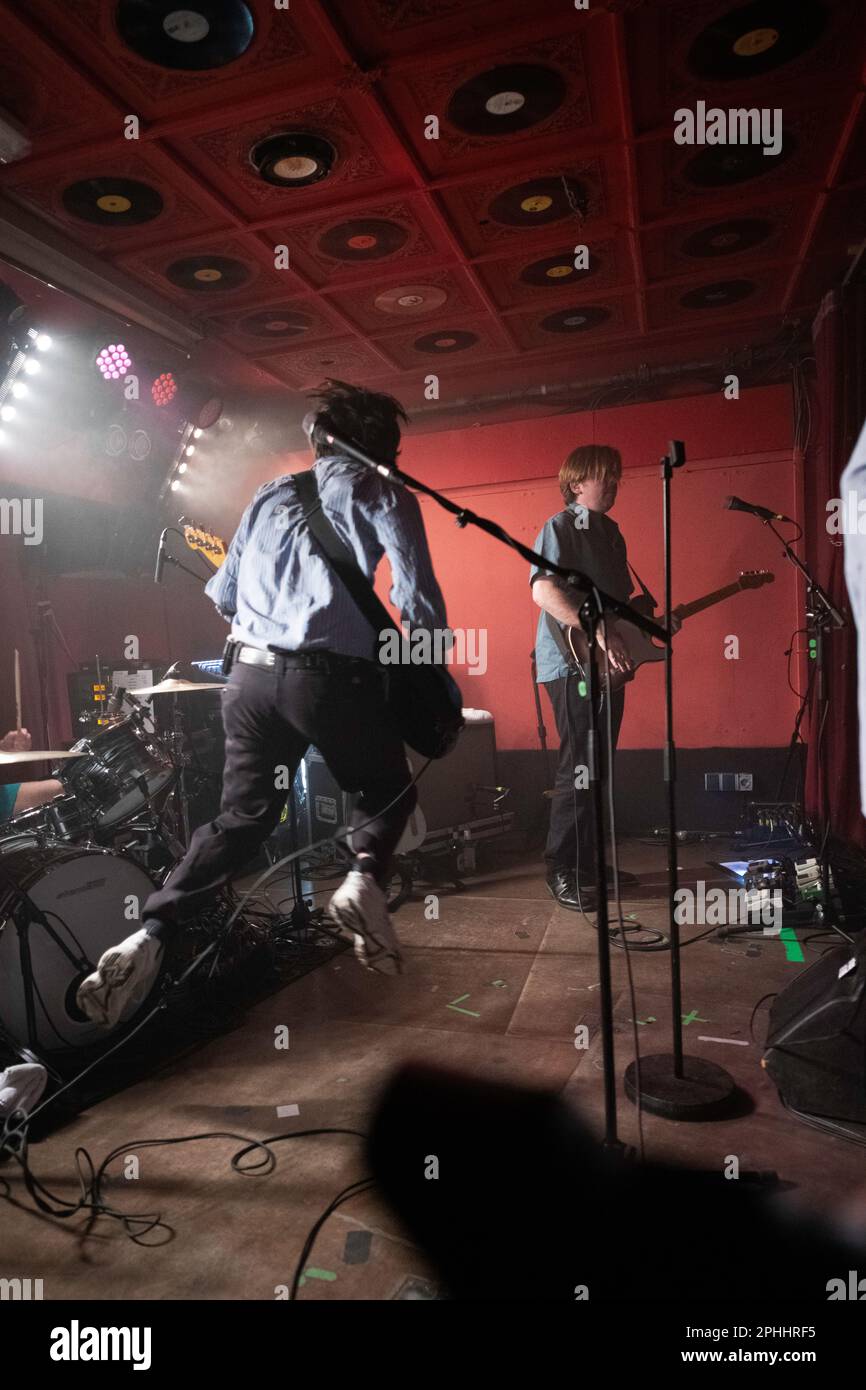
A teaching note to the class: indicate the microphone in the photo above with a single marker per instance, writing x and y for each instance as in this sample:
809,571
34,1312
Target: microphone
736,504
160,558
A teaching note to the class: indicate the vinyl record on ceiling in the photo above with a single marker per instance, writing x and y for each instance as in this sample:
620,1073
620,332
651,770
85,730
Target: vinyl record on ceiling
363,239
538,201
194,37
293,159
722,166
554,271
754,39
716,296
112,202
406,300
275,323
506,99
574,320
727,238
205,273
448,340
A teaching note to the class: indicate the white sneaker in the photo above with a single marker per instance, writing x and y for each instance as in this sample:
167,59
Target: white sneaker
21,1087
359,906
123,978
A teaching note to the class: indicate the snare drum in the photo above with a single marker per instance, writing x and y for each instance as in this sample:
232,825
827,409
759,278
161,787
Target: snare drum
64,818
119,772
85,896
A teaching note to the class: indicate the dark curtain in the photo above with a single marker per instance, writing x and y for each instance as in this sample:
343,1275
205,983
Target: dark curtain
836,402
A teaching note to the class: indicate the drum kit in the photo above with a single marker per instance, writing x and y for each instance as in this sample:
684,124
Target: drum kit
73,878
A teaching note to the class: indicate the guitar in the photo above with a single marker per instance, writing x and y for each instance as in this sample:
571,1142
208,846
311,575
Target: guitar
642,648
212,547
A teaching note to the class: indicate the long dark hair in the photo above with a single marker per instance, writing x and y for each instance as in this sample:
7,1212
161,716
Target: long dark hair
370,419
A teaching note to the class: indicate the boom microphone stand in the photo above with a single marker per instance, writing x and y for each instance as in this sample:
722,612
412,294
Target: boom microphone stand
594,604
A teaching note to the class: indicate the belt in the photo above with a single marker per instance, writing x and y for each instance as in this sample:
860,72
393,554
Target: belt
299,661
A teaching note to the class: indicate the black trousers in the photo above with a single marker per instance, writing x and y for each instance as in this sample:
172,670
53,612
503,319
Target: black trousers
571,837
271,716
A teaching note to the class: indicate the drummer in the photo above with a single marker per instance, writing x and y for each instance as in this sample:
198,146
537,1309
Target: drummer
16,797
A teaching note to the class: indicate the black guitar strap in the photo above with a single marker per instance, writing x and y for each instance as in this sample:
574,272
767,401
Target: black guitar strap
340,557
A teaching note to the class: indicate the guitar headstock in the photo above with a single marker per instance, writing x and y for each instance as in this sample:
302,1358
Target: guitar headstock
211,546
753,579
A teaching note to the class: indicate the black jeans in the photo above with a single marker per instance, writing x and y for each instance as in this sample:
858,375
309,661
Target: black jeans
271,716
571,837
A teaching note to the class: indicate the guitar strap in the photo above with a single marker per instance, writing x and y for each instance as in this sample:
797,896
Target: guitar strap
645,593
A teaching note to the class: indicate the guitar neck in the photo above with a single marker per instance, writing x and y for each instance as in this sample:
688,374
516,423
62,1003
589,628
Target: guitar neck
687,610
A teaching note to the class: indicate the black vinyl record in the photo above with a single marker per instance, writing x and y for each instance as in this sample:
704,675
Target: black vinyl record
576,320
275,323
718,295
723,166
506,99
200,35
112,202
447,340
754,39
293,159
727,238
208,273
555,271
539,201
363,239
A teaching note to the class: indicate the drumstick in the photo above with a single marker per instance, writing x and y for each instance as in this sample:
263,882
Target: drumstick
17,690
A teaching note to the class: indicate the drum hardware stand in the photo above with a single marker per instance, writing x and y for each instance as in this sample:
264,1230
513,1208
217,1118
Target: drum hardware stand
25,914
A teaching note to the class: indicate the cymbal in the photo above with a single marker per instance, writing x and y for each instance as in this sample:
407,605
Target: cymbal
175,687
34,755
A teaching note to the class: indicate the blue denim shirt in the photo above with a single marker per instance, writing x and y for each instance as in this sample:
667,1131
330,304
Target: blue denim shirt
280,591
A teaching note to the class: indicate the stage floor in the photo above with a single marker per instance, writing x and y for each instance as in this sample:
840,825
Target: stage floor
496,985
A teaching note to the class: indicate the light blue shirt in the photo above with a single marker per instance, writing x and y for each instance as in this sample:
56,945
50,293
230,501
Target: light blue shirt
280,591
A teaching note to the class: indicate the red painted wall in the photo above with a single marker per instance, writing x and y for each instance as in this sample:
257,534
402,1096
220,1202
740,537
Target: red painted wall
508,472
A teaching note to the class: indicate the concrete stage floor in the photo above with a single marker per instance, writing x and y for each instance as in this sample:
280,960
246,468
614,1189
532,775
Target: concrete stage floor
495,986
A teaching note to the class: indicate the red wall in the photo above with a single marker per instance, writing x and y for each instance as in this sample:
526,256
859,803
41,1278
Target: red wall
508,472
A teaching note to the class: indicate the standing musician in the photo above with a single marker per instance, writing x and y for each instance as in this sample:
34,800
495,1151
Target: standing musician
581,537
302,671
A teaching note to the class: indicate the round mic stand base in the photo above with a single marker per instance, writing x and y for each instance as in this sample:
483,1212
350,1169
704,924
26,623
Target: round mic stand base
702,1092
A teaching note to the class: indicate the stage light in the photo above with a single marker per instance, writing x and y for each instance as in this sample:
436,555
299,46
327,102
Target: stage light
8,412
114,361
43,341
20,389
189,450
164,389
175,486
182,467
31,366
197,434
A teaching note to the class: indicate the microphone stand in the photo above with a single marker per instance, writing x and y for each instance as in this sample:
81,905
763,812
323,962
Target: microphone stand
821,615
671,1085
594,604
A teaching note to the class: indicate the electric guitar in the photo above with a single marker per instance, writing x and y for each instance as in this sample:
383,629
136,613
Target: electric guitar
642,648
212,547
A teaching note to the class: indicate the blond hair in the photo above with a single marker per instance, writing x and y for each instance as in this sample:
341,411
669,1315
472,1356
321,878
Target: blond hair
589,461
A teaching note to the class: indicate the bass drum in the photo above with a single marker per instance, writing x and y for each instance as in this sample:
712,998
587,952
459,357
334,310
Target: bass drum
91,899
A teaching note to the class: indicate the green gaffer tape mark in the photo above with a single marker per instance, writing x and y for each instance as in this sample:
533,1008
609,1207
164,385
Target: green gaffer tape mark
327,1274
581,689
469,1012
793,949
